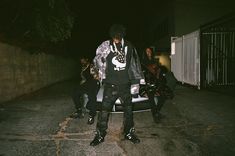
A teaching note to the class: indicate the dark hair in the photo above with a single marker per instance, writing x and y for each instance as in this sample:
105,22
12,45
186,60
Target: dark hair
117,31
144,55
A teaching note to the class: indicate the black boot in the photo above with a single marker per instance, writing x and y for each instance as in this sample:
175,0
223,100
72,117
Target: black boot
78,114
157,117
132,137
90,120
98,139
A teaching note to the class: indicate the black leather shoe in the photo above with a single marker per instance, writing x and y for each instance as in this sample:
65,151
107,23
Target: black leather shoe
132,137
90,120
77,114
97,140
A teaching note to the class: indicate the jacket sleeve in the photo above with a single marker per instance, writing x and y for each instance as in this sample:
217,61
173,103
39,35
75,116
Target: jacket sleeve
135,70
100,58
100,54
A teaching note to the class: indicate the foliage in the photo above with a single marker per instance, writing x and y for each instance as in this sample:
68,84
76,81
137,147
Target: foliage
53,20
36,20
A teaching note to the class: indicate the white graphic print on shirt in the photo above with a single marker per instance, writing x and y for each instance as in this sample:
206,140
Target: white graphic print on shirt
119,59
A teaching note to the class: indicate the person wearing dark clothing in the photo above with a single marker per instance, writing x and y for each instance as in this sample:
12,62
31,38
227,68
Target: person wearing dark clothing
120,71
89,85
158,79
149,63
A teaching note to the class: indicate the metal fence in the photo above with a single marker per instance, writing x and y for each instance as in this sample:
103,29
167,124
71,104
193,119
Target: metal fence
206,58
218,52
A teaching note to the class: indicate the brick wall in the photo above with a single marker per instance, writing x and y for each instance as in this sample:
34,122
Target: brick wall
22,72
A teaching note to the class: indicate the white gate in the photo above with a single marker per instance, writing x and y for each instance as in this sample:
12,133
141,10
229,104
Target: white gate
176,58
185,58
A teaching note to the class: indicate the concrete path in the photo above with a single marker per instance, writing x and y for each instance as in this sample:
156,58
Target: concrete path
195,123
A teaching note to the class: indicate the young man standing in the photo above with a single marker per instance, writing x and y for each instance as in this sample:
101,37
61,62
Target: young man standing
120,70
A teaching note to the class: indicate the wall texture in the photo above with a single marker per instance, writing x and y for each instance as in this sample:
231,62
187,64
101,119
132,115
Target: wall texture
22,72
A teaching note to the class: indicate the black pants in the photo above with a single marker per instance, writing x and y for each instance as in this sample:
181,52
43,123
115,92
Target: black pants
156,107
160,103
90,88
110,95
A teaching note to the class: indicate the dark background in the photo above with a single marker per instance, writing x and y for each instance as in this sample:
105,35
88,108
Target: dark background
92,20
95,18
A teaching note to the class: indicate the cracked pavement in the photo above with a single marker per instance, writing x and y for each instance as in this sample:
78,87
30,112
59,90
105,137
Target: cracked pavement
195,123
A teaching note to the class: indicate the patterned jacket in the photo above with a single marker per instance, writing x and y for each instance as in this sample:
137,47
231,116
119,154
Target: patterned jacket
135,71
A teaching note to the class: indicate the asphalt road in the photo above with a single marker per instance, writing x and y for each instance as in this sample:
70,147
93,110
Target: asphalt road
195,123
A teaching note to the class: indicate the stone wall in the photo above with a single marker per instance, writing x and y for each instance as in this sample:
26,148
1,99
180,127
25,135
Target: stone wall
22,72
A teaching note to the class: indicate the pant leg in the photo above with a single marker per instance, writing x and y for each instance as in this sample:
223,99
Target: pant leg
160,103
76,96
126,99
92,91
109,98
153,103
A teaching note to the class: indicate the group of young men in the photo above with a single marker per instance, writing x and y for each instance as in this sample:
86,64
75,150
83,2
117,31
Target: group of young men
118,67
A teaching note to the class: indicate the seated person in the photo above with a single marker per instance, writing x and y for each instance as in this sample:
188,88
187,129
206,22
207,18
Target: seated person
89,85
160,84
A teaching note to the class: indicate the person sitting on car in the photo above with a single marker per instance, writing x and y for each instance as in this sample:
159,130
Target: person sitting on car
159,86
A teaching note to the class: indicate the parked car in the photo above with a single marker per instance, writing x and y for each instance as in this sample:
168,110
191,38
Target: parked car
140,103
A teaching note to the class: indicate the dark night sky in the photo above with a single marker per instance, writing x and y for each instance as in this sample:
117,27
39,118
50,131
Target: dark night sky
94,17
93,20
